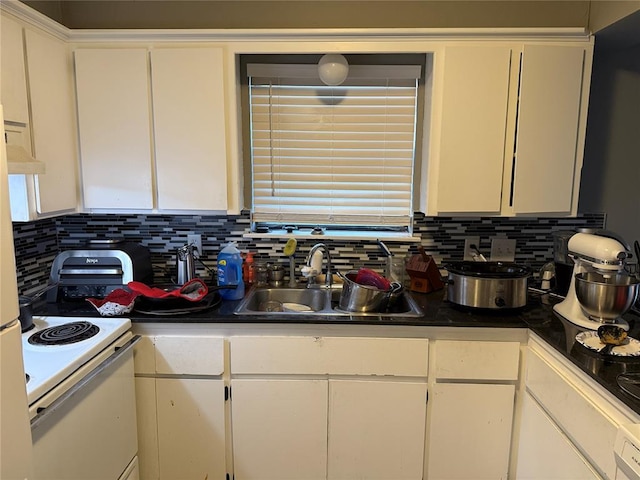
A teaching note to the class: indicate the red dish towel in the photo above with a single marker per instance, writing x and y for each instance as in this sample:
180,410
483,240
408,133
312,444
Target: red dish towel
194,290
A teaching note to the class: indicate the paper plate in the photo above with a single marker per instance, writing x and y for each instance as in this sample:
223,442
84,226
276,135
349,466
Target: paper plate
296,307
591,340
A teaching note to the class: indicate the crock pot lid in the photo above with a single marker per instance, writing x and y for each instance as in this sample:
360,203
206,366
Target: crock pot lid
488,269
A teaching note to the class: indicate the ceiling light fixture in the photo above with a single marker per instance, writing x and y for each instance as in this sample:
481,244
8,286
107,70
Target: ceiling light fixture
333,68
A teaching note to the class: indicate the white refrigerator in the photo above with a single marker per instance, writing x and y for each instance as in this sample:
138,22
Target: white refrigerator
15,431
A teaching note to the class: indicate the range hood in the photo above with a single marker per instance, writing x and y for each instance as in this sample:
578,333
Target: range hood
19,160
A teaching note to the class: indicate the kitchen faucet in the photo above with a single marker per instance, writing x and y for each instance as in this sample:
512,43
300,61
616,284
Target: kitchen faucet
314,265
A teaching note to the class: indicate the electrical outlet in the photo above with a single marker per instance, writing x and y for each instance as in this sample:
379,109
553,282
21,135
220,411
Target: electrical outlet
195,239
468,252
503,250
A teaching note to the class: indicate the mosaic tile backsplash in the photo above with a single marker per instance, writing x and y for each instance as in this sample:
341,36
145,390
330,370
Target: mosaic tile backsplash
37,243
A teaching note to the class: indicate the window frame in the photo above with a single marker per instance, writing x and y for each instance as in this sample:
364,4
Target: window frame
351,231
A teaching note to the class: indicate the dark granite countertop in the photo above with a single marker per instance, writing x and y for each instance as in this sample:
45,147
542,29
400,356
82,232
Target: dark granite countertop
537,315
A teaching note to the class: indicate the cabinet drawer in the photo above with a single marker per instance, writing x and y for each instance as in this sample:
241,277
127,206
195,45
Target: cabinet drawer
180,355
329,355
592,430
477,360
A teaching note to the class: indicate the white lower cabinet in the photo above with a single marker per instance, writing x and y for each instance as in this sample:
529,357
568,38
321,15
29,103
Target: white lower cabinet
577,410
470,431
336,429
180,396
471,410
544,451
376,429
279,429
191,435
320,407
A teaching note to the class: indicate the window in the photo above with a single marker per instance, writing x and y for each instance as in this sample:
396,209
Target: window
337,156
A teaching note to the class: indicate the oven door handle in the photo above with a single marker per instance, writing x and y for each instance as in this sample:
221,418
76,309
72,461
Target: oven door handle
44,412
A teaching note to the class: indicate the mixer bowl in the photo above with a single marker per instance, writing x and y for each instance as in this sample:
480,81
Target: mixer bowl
605,298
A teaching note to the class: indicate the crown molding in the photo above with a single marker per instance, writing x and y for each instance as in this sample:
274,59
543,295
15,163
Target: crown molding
34,18
327,34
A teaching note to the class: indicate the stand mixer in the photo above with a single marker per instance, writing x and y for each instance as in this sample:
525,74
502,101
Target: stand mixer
599,264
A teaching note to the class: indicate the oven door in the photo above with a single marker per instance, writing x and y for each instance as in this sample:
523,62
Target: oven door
89,430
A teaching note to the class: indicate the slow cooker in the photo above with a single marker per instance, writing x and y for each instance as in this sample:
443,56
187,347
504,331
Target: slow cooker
487,285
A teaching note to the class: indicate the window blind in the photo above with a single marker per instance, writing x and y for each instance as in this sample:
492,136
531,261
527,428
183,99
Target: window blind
333,155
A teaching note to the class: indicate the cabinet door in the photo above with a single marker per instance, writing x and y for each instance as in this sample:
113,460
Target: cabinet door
14,80
114,126
191,428
147,423
53,122
376,429
547,132
189,128
473,129
544,451
279,429
470,431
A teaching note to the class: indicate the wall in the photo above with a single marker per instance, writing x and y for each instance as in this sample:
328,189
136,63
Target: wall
611,171
604,13
37,243
314,14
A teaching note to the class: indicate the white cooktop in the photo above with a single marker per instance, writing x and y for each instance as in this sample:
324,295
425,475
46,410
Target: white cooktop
48,365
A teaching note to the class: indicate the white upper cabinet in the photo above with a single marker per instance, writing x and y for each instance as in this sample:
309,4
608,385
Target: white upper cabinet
113,97
509,123
474,108
189,127
152,128
37,93
547,149
54,122
14,80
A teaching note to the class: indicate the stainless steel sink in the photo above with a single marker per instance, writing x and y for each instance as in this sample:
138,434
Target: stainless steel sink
320,301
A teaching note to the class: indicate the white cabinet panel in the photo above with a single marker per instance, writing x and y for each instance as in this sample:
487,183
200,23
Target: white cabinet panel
114,126
191,428
181,419
329,355
147,423
583,420
548,120
189,354
279,429
544,452
477,360
376,429
189,128
37,89
510,136
486,413
14,80
53,122
474,109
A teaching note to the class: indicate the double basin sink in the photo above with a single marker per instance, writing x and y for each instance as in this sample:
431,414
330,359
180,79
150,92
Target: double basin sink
315,301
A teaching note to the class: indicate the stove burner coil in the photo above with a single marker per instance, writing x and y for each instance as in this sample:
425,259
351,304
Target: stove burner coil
65,334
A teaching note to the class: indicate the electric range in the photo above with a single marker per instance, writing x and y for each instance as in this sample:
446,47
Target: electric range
57,346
